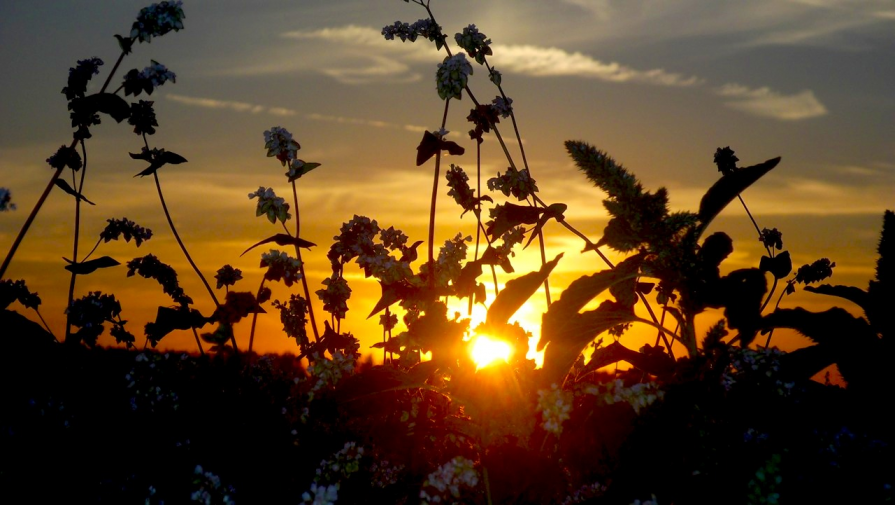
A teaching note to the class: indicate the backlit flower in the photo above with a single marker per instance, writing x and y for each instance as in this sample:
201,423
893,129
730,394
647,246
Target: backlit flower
452,76
157,20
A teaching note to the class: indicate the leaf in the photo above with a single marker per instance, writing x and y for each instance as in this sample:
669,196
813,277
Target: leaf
509,216
568,342
554,211
87,267
850,293
283,239
64,186
163,158
579,293
172,158
168,320
431,145
517,292
780,265
108,103
728,187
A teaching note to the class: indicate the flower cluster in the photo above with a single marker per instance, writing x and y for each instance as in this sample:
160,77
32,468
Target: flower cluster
758,365
210,489
771,238
815,272
90,312
340,465
142,118
227,276
448,265
452,76
6,200
326,373
142,380
321,495
357,240
502,106
294,316
11,291
474,43
448,480
425,28
157,20
127,228
281,266
519,183
150,267
384,473
726,160
639,396
335,296
79,76
65,156
270,205
148,79
555,406
280,144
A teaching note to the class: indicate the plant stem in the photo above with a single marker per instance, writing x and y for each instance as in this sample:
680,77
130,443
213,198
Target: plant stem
77,234
301,265
431,263
255,317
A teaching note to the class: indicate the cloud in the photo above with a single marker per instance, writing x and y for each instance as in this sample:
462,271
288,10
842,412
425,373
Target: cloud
211,103
521,59
766,102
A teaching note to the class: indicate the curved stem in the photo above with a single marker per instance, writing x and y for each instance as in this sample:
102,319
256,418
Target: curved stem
301,265
77,235
198,342
27,225
255,317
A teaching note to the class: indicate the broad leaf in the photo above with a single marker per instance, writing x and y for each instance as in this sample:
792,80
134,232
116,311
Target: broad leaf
780,265
168,320
509,216
431,145
728,187
554,211
517,292
64,186
283,239
90,266
108,103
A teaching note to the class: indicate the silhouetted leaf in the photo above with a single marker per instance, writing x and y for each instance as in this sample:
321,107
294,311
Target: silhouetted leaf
430,145
554,211
64,186
728,187
579,293
158,162
780,265
108,103
283,239
850,293
567,342
172,158
90,266
509,216
168,320
517,292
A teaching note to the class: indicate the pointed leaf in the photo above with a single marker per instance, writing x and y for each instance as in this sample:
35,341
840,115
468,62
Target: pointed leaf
579,293
427,148
283,239
728,187
780,265
554,211
142,155
509,216
168,320
172,158
517,292
64,186
850,293
110,104
90,266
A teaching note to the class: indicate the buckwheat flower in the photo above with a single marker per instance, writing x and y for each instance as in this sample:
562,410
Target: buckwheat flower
279,143
639,396
127,228
142,118
393,238
399,29
474,43
293,315
65,156
326,373
555,406
340,465
449,480
270,205
157,20
281,266
227,276
335,296
79,76
519,183
429,30
6,200
503,107
452,76
321,495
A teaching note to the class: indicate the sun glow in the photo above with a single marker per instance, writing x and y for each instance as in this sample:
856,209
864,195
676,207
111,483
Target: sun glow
486,350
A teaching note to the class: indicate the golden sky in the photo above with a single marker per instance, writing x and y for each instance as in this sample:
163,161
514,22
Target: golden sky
657,85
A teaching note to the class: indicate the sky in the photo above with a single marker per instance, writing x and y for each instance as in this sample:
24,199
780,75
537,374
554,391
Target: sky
658,85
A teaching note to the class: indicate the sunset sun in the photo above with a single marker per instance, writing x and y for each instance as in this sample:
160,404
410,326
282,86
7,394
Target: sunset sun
486,350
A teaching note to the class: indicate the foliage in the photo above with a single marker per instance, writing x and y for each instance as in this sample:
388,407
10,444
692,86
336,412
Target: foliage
731,419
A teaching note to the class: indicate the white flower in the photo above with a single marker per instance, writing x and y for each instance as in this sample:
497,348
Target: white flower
271,205
157,20
279,143
555,406
321,495
448,480
452,76
157,73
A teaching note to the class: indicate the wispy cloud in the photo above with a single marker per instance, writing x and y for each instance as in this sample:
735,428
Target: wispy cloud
211,103
521,59
244,107
766,102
